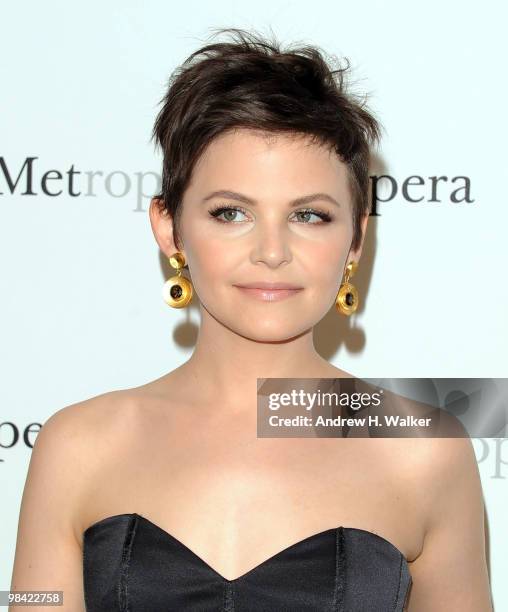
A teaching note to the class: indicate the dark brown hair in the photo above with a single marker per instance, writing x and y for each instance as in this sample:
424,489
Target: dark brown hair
252,83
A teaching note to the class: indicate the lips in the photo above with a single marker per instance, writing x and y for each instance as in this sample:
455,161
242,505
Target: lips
274,292
270,286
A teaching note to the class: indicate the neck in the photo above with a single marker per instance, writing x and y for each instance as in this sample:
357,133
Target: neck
226,365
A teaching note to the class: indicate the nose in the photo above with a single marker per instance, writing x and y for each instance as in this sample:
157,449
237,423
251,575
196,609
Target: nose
271,244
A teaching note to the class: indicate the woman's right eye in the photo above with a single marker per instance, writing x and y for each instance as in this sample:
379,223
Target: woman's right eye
229,212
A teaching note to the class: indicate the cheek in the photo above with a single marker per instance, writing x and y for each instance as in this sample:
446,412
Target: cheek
210,264
327,261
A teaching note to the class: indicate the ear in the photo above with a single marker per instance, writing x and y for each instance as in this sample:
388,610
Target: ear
355,255
162,226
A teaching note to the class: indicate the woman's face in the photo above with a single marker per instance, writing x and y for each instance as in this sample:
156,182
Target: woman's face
267,238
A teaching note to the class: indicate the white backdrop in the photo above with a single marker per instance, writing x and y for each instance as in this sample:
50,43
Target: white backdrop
81,308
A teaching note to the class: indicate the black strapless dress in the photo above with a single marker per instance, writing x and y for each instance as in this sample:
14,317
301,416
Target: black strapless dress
132,565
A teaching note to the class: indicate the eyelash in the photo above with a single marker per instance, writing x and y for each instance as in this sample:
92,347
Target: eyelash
218,210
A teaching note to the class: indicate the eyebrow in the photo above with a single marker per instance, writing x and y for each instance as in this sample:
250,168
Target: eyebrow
233,195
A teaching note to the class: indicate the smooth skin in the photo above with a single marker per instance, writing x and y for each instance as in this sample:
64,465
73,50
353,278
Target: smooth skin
182,449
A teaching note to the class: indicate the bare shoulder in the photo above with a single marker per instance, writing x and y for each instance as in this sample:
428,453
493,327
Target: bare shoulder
73,422
440,460
457,461
76,442
81,427
446,469
453,551
95,426
68,446
91,426
84,413
443,470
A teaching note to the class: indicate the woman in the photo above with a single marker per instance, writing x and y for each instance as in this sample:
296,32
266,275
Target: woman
162,497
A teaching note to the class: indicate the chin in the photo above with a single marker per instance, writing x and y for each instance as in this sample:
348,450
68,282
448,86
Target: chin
272,331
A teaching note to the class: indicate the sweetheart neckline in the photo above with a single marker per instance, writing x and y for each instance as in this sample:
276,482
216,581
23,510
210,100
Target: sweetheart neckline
322,533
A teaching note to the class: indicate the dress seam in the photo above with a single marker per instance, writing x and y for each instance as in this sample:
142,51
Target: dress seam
408,588
340,570
228,602
123,594
397,596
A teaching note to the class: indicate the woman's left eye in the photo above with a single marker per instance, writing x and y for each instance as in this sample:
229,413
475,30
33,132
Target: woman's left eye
324,217
230,213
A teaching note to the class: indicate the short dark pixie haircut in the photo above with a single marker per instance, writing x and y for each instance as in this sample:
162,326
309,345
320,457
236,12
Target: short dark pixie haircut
252,83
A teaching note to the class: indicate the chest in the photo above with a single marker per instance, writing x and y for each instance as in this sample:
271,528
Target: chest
237,499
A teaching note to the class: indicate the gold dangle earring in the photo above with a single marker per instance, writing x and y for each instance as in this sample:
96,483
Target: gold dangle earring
347,297
177,290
